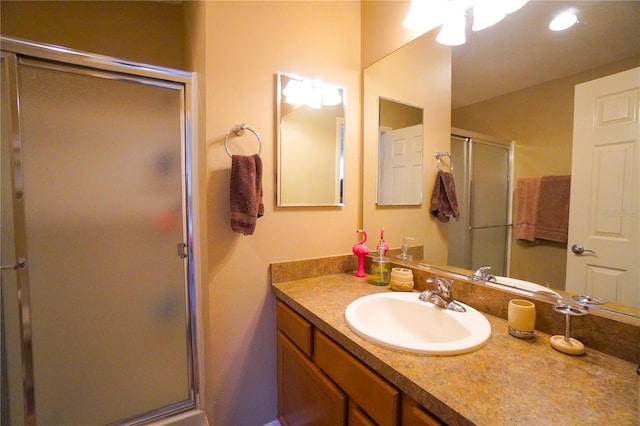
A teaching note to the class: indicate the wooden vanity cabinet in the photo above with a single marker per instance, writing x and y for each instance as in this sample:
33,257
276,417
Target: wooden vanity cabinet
320,383
305,395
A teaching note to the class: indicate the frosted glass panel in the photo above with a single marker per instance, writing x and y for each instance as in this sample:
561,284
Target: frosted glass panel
490,186
488,248
103,200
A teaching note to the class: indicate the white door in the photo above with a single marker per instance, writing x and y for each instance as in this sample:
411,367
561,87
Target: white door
605,183
400,174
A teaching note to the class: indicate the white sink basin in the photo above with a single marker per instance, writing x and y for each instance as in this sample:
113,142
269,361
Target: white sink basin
403,322
517,284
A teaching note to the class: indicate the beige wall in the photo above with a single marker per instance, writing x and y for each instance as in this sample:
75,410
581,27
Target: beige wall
247,43
382,30
540,121
142,31
237,47
419,75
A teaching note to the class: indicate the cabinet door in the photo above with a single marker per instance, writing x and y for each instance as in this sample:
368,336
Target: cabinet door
357,417
372,393
414,415
305,395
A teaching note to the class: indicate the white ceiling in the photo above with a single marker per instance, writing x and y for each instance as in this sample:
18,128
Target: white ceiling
520,51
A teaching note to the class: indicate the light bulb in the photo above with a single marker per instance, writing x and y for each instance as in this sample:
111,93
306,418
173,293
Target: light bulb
563,21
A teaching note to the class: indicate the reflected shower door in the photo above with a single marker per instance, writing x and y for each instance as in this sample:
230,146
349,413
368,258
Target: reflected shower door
482,175
11,348
103,177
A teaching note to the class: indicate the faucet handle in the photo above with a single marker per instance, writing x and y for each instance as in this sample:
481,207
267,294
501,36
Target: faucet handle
444,285
480,272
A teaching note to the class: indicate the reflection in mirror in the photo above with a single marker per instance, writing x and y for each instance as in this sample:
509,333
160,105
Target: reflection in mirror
399,153
516,82
310,123
483,186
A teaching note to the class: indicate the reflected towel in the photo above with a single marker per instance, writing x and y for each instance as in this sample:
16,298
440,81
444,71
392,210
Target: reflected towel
245,193
444,203
553,209
527,199
542,208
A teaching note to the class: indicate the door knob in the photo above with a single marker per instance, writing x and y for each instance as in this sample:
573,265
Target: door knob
20,264
579,249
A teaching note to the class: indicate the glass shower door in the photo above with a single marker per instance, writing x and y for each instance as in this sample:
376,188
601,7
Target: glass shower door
104,222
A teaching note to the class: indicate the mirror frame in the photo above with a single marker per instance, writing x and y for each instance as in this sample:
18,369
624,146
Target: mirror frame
312,179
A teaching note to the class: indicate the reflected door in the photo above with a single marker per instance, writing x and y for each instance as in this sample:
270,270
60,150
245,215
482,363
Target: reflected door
400,170
605,188
102,183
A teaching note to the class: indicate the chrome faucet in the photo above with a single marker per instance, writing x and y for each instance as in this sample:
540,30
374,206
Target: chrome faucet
480,274
442,296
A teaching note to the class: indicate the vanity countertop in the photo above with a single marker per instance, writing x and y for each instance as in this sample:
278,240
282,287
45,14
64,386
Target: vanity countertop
507,382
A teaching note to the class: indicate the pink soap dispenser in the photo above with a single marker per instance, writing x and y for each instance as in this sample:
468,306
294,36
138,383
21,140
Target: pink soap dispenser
361,250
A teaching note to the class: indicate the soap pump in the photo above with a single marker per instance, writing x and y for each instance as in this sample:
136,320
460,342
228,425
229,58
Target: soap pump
404,255
380,265
361,250
382,246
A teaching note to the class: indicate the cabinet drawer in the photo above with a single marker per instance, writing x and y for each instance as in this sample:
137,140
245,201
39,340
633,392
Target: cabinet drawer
374,395
414,415
295,327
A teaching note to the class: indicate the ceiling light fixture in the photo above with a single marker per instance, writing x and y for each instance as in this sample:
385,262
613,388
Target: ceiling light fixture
425,15
453,30
563,21
487,13
511,6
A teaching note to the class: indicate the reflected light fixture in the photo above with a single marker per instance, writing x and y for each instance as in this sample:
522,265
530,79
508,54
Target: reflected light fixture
453,30
331,95
292,93
311,93
563,21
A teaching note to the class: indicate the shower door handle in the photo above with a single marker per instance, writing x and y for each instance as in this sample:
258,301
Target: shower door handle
20,264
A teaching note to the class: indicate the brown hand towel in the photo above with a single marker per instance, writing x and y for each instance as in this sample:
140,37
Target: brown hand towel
245,193
443,198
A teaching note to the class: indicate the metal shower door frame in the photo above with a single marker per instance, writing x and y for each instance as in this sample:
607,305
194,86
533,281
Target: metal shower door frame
16,51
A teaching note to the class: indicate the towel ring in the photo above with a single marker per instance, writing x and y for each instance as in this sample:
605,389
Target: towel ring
238,130
444,154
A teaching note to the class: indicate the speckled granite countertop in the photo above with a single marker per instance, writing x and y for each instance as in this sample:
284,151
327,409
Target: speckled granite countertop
507,382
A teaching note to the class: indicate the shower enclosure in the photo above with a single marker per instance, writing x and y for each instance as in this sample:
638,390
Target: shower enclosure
98,294
482,174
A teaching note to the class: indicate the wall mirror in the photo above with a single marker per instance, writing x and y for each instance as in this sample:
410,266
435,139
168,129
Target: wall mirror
400,153
310,133
493,63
